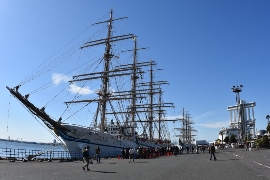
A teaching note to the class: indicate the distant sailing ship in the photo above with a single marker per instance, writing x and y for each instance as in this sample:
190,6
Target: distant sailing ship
186,132
123,103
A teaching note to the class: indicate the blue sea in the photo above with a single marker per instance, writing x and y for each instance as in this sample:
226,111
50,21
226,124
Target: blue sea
20,150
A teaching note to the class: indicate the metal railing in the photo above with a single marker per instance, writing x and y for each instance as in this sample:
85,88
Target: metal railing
10,153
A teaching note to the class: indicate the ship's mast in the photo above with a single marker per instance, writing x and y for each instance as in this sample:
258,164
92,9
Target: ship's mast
151,103
133,90
160,107
152,107
128,69
159,114
107,73
105,79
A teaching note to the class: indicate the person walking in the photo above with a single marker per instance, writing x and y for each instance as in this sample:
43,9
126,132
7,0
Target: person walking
212,150
187,148
86,158
98,154
131,154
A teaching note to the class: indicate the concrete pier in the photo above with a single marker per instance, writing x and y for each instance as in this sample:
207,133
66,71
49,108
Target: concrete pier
230,164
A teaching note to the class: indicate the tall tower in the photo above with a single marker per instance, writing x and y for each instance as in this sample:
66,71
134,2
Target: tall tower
242,118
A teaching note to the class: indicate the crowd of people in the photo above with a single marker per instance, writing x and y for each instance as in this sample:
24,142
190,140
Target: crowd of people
147,153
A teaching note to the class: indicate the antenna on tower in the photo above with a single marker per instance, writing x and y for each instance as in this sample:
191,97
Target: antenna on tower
237,90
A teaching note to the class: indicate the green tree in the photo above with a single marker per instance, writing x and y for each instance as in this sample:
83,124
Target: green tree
227,139
247,138
265,141
259,137
221,133
233,139
268,128
259,143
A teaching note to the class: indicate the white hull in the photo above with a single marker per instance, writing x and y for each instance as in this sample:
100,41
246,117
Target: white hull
110,145
79,137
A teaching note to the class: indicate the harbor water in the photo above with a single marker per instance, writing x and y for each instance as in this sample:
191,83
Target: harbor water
24,150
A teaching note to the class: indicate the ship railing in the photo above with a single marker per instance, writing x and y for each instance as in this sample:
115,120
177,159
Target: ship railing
76,125
86,127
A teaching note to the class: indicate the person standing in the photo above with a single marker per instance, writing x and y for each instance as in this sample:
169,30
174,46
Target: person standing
98,154
131,154
127,153
197,149
246,146
86,158
212,152
187,148
123,153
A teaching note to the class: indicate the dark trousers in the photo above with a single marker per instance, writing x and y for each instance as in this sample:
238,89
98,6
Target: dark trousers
98,158
213,154
86,161
131,157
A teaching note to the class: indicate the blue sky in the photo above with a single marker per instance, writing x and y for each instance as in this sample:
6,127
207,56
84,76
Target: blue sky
203,47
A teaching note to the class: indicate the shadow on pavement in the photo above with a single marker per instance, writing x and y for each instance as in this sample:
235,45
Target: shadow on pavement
103,171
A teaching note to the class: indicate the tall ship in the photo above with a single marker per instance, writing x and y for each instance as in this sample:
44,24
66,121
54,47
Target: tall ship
186,131
116,91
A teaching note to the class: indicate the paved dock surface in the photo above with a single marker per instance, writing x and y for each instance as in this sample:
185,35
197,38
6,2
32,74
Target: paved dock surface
230,164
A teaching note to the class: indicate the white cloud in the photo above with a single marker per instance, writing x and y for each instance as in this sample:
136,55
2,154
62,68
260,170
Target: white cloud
203,120
214,124
209,120
80,90
204,116
58,78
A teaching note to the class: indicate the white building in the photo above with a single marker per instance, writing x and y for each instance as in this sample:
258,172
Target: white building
242,121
